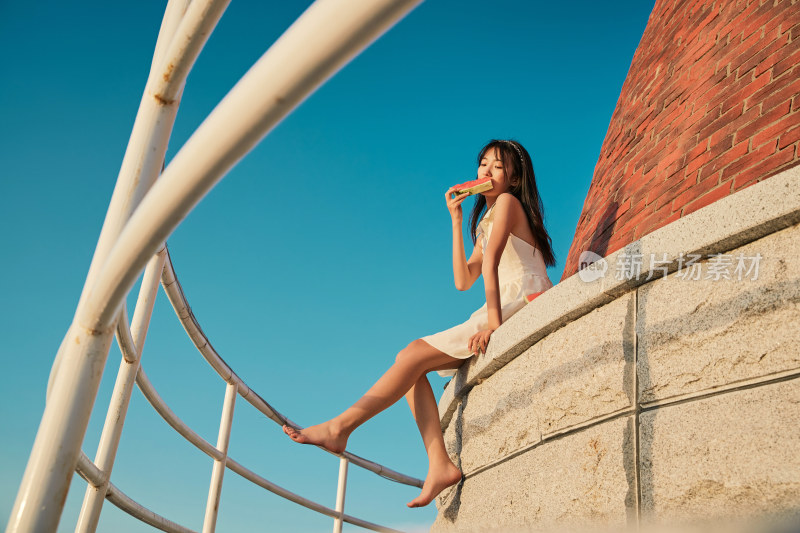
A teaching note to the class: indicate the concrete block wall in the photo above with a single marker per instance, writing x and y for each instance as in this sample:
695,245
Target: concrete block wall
618,401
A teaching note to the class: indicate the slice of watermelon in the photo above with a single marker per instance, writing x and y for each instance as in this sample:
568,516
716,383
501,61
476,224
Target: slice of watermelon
532,297
474,186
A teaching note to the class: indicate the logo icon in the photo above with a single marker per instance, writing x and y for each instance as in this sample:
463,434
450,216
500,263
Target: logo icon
591,266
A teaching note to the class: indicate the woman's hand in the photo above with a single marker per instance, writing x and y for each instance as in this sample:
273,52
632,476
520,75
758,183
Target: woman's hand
454,204
478,342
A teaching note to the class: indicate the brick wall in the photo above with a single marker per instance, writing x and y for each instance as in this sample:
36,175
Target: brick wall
711,104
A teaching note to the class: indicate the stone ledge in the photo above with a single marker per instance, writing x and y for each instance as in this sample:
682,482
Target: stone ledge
728,223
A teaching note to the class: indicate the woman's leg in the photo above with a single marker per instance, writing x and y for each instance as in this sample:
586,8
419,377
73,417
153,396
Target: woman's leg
411,363
441,471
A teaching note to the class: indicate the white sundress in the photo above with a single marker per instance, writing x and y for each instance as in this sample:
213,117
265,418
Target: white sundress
521,272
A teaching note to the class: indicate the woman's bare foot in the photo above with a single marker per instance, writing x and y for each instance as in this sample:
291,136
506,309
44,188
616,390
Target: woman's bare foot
438,479
325,435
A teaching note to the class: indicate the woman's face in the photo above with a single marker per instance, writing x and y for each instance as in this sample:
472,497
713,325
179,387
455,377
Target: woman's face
491,166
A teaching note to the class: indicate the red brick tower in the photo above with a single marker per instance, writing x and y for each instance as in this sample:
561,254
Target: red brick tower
711,105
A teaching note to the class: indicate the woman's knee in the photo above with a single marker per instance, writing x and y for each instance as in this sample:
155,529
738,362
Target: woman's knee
411,352
421,357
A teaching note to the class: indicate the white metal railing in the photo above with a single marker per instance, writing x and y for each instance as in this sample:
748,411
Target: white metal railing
96,473
143,212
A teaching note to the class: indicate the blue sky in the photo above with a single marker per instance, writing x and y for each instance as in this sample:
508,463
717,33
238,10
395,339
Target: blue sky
317,258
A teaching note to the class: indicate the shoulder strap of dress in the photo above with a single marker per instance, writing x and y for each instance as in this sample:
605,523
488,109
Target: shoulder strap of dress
483,226
488,211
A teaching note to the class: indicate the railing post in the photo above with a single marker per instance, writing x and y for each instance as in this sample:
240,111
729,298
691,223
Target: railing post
121,397
340,490
215,489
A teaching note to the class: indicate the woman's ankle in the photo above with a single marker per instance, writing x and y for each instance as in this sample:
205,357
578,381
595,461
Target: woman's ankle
339,427
440,460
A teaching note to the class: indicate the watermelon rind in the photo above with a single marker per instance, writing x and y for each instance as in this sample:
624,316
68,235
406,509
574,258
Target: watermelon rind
473,189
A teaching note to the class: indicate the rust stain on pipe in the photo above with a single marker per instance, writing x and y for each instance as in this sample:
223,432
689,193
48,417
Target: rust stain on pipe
168,73
163,101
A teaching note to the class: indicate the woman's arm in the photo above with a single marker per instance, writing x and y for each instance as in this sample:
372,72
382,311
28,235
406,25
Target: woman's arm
501,227
464,272
506,214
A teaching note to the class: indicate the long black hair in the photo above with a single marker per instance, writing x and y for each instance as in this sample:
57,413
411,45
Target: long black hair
518,169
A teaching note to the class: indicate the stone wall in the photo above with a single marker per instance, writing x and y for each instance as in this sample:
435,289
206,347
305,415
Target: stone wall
635,397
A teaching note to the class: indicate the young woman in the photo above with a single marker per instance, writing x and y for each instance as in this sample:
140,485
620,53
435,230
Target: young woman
512,256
